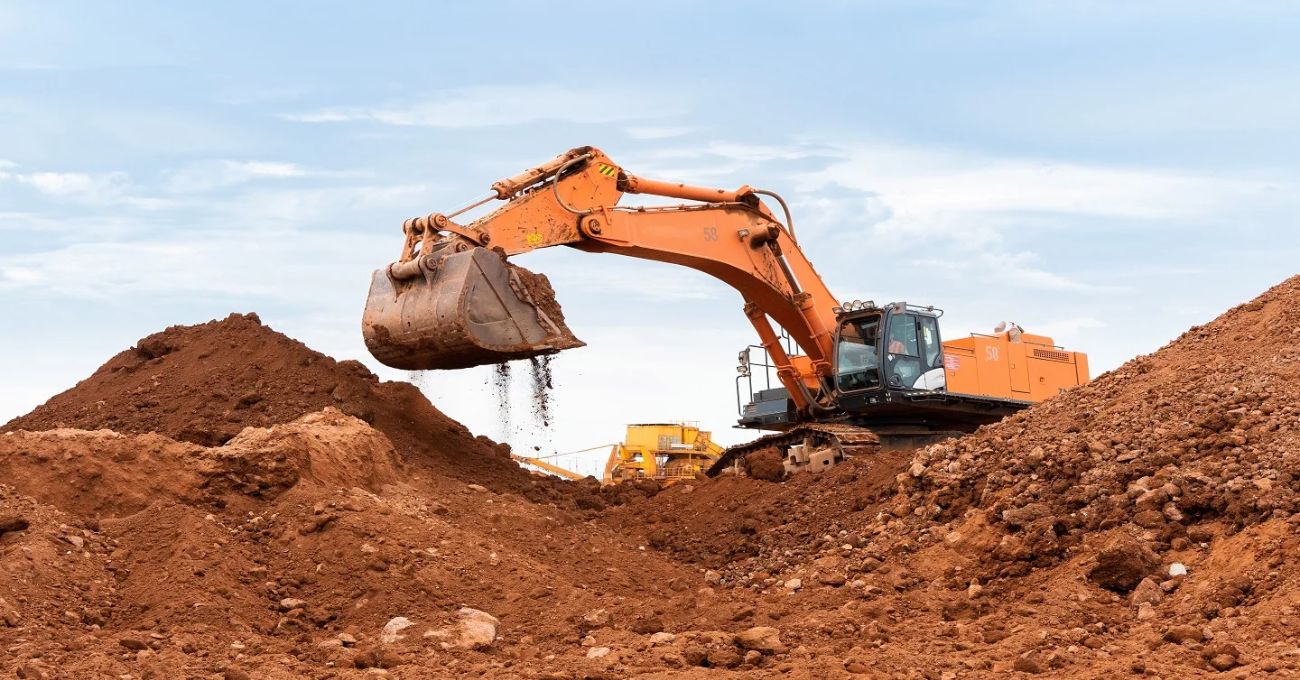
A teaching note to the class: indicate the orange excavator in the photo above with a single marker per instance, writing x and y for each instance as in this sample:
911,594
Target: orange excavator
852,375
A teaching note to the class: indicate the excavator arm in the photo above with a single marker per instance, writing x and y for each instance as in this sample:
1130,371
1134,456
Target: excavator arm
451,300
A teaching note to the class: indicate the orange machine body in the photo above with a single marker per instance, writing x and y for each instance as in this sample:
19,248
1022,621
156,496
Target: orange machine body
1011,365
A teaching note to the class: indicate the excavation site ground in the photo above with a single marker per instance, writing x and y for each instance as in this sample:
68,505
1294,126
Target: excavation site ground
221,501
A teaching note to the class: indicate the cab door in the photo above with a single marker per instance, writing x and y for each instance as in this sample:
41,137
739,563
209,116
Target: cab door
915,351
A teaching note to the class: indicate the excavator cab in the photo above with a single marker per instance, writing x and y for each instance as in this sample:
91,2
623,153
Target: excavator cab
896,347
883,355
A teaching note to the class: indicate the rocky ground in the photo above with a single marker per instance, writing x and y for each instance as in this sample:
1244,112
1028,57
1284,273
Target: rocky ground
222,502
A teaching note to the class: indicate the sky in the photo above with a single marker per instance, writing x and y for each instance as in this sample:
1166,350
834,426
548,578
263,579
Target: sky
1107,173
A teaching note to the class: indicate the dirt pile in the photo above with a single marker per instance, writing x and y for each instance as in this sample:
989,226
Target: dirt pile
228,527
207,382
1144,521
1203,431
299,550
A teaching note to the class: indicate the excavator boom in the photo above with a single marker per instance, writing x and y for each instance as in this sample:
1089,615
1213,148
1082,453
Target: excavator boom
452,299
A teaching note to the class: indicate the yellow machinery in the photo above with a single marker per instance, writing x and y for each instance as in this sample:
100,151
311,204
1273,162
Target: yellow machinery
548,467
666,452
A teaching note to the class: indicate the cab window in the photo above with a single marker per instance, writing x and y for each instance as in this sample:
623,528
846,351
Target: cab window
931,348
902,335
857,363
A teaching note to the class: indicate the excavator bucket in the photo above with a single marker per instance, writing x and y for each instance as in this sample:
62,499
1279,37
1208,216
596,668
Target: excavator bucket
469,309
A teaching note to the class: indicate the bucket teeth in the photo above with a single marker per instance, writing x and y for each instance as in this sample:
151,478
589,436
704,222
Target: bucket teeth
471,309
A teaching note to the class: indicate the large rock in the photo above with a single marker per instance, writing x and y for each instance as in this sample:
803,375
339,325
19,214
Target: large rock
392,631
1122,564
765,639
474,629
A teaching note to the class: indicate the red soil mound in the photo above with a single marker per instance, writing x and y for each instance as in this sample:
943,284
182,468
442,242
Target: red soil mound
1035,540
205,383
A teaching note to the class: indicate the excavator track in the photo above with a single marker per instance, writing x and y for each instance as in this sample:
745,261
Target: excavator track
846,440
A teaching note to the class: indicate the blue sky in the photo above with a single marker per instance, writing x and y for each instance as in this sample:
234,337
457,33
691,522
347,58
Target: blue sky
1109,173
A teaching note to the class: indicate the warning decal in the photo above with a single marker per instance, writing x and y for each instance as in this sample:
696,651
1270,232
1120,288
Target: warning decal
606,169
951,362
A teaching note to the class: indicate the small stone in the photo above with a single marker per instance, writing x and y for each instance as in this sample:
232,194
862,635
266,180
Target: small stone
598,652
377,657
765,639
133,644
648,625
834,579
1147,592
392,631
347,639
1223,662
723,657
794,584
477,487
596,618
1027,664
856,667
662,638
75,541
1146,612
712,578
8,615
1222,656
1122,563
1184,633
1177,569
291,603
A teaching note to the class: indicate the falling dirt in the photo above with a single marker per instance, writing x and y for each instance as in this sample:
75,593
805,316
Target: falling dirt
238,506
542,387
501,383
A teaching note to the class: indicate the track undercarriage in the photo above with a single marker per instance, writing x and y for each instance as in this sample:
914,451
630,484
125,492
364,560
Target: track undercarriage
814,447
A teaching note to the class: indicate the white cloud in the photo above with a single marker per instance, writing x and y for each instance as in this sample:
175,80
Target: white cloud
969,209
507,105
929,185
113,188
278,265
332,205
216,174
657,131
74,183
1068,329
